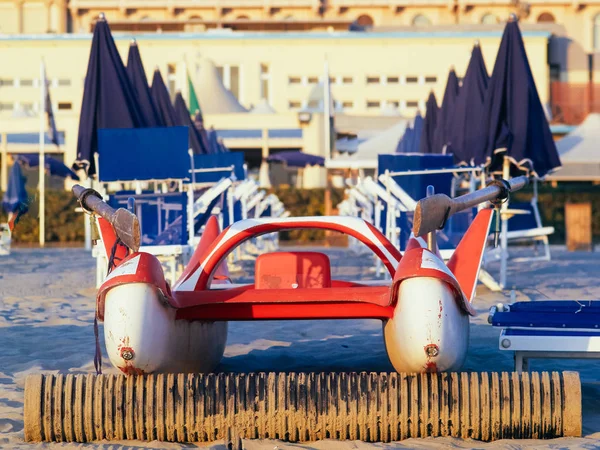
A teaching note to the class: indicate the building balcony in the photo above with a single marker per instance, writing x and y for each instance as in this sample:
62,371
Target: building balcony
173,4
392,4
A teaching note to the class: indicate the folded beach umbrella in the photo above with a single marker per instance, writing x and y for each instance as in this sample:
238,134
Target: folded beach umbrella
213,140
53,165
184,119
443,129
15,198
418,130
514,124
137,77
429,126
109,100
199,124
222,147
162,101
296,158
404,143
468,109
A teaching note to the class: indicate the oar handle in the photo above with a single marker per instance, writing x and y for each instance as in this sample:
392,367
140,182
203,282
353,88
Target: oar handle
432,212
498,190
124,222
92,201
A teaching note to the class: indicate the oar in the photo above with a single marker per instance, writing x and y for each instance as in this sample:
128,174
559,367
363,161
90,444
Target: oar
432,212
124,222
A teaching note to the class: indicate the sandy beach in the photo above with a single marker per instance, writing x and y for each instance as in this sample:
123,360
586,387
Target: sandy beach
46,325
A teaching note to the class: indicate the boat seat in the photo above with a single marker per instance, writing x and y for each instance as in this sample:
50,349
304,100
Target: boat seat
290,270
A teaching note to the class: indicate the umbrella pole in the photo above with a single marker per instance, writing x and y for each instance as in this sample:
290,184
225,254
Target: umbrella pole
42,166
504,230
4,168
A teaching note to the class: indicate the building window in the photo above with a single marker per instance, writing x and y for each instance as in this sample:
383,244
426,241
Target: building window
313,80
171,80
347,80
393,80
554,72
412,104
546,18
364,21
294,80
430,79
6,106
265,81
25,83
596,34
65,106
373,80
373,104
489,19
412,79
230,76
294,105
347,105
64,82
6,82
394,103
421,21
234,81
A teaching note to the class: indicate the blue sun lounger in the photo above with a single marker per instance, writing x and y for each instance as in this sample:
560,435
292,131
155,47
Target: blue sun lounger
548,329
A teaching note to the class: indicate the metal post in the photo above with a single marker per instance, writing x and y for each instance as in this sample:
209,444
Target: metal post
42,167
87,225
191,218
431,237
327,111
504,231
4,169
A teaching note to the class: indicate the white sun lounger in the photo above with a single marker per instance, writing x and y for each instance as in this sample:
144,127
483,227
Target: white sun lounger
552,329
5,239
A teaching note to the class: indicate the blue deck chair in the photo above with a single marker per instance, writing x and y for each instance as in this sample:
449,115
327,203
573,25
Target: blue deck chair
548,329
144,156
413,188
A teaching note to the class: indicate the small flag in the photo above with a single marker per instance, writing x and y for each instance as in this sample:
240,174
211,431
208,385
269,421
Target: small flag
193,100
52,132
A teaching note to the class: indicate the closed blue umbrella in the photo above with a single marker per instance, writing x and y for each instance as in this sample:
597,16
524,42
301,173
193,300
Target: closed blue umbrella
15,198
199,124
109,100
468,110
162,101
53,166
295,158
443,128
184,119
514,124
417,136
137,77
404,143
213,141
431,120
222,147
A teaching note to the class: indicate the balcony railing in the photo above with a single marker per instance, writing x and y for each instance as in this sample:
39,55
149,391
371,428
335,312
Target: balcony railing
389,3
196,3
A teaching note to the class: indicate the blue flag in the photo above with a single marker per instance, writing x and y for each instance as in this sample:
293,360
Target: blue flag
52,132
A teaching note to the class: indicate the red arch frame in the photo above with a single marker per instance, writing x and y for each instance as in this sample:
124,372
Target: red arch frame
222,250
